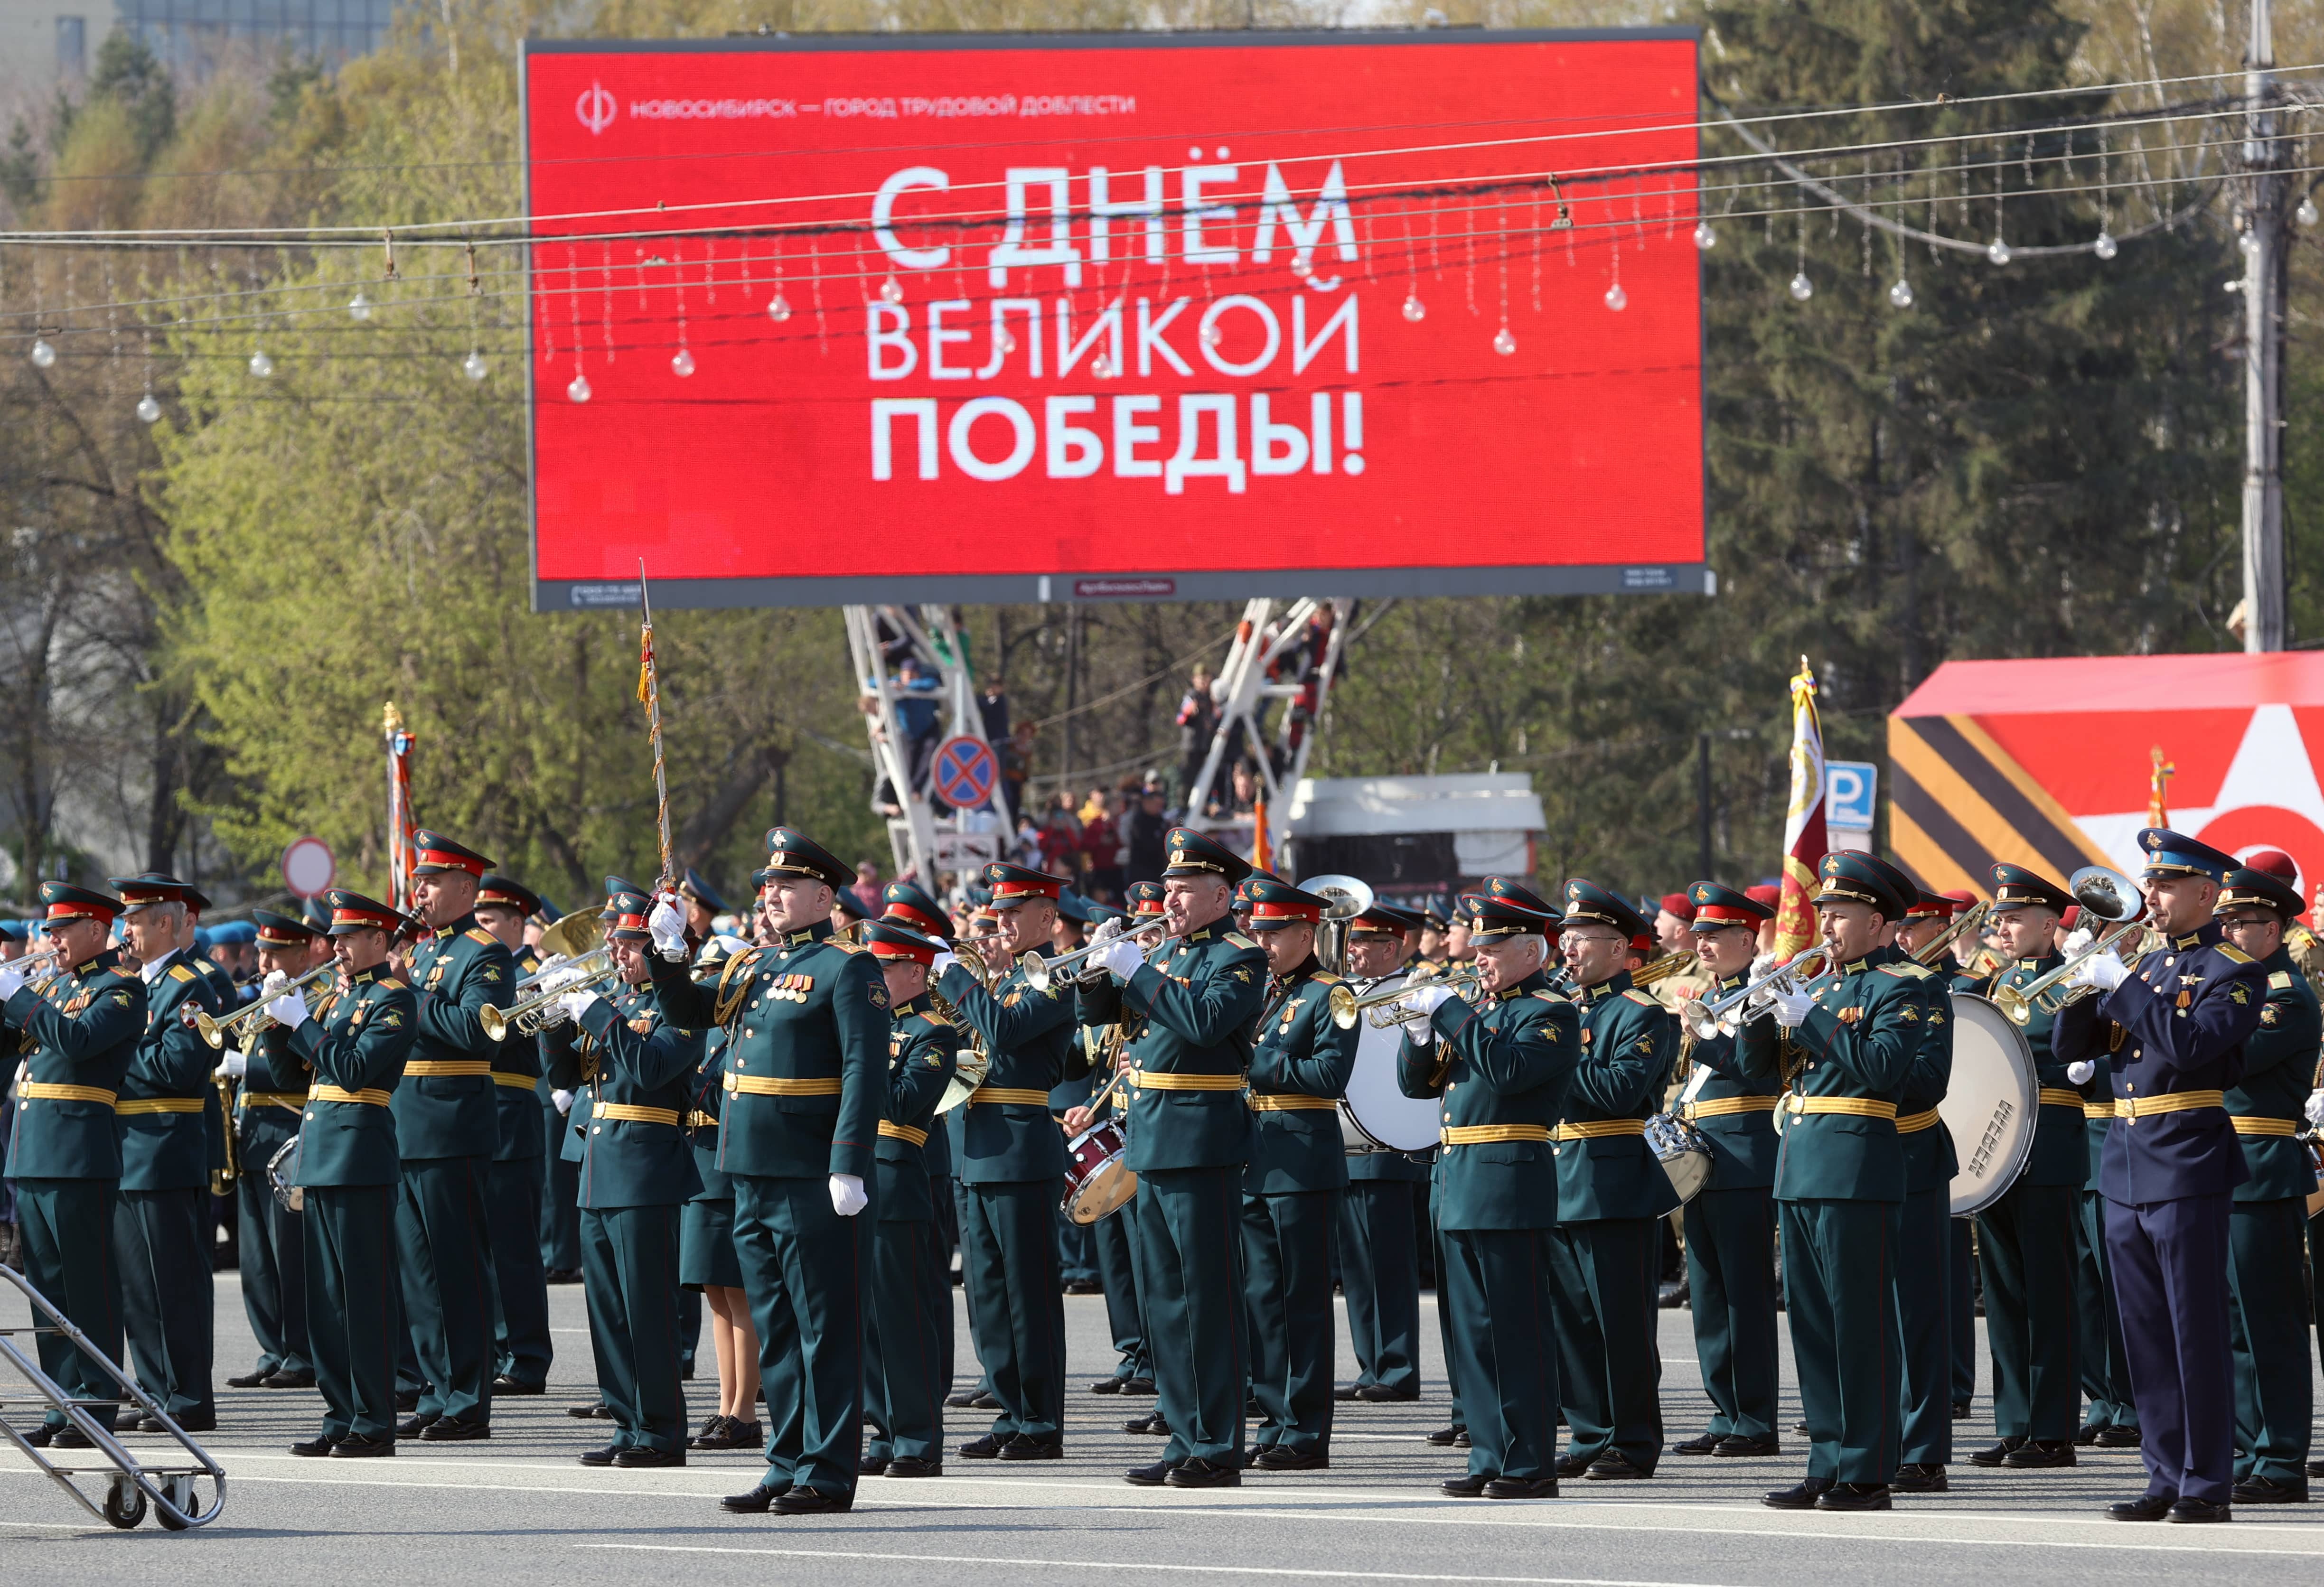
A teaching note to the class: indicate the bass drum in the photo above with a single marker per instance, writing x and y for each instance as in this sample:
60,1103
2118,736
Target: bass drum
1375,1115
1989,1103
1684,1154
282,1177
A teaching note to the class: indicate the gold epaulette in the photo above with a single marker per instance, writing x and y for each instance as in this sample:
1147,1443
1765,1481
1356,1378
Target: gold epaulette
1547,996
1907,972
2234,955
180,972
1644,999
1238,939
936,1017
1326,978
2278,979
478,934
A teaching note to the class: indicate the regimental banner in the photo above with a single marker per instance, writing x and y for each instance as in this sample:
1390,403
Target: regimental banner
1149,315
2052,763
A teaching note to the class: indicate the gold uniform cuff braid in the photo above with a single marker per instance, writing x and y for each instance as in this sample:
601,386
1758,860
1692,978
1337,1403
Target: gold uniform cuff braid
773,1085
1487,1134
1292,1101
136,1105
515,1081
293,1100
1156,1079
2135,1108
333,1093
446,1068
1023,1096
2246,1124
2057,1096
631,1114
1719,1107
1913,1123
1859,1107
1599,1129
903,1132
44,1091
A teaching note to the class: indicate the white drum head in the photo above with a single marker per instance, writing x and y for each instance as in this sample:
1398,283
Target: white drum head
1990,1104
1375,1111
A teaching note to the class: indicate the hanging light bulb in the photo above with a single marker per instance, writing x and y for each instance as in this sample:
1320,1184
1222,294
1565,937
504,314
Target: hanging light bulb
44,354
1705,237
1617,299
1004,341
682,365
1997,251
2306,214
889,292
1901,294
359,307
1212,335
2248,241
148,408
1101,367
578,390
1503,343
779,308
473,366
261,364
2104,247
1415,311
1803,289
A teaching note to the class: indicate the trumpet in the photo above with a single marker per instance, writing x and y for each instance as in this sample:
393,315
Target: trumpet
1708,1021
1933,951
23,964
578,938
1373,1007
215,1030
2112,897
530,1016
1041,973
1661,969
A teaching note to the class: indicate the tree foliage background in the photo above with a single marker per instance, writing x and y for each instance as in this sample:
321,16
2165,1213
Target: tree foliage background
202,618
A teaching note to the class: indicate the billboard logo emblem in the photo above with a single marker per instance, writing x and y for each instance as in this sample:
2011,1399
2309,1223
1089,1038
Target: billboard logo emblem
595,108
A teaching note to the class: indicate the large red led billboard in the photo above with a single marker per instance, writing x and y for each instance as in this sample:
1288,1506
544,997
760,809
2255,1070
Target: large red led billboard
824,320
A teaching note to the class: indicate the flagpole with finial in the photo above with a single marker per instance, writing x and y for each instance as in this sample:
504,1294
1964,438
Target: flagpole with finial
649,696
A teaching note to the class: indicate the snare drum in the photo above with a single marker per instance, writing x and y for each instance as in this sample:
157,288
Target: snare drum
282,1177
1096,1181
1685,1155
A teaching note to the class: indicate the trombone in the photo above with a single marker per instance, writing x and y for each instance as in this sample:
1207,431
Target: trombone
1708,1021
1661,969
215,1030
2112,897
1932,952
578,939
1373,1007
530,1016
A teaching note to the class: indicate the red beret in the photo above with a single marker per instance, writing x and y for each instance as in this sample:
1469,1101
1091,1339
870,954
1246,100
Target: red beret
2275,863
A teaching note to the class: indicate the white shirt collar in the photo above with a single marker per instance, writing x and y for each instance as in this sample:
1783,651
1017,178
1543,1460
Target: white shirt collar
150,970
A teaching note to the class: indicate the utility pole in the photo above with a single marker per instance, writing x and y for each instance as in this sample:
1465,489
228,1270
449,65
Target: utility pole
2264,239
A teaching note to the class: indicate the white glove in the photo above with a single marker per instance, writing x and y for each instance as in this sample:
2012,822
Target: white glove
574,1004
1107,929
942,963
2105,972
1119,957
558,979
273,984
2079,1071
11,980
847,1197
2315,1108
1425,1001
563,1099
2079,938
233,1066
1792,1006
288,1010
667,925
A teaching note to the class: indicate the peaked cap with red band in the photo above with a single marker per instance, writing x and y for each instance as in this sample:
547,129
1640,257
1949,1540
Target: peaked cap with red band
1275,903
1715,907
435,852
508,893
64,901
351,912
1144,900
625,916
885,939
1013,885
147,889
792,853
910,907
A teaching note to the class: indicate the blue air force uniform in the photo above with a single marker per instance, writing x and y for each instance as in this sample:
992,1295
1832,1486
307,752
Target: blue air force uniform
270,1244
2111,1418
521,1348
1377,1236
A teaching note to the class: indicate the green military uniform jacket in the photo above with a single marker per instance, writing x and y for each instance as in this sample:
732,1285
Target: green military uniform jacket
2279,1062
1029,1038
359,1045
1299,1060
272,1070
162,1147
2060,1154
806,1029
458,970
1742,1138
1605,1169
643,1065
921,1047
1847,1067
1930,1161
1189,1019
81,1027
1502,1064
516,1074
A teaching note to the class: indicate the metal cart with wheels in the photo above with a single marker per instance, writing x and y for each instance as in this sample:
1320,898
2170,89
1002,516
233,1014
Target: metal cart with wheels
132,1485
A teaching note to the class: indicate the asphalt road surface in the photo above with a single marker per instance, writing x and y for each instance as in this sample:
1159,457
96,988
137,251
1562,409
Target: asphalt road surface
520,1510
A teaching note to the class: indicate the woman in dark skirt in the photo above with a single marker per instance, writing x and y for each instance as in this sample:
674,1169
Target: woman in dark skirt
706,1259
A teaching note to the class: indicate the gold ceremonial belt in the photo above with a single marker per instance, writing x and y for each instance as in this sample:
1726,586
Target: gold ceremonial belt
42,1091
2057,1096
1719,1106
1600,1129
2247,1125
906,1133
293,1100
1486,1134
513,1082
2135,1108
1292,1101
448,1068
159,1104
769,1085
1913,1123
1861,1107
631,1114
1151,1080
1023,1096
335,1093
2097,1111
698,1119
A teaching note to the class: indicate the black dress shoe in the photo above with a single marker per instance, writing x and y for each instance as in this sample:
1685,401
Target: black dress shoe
448,1431
1707,1444
2128,1438
1106,1386
1203,1473
41,1436
715,1427
983,1402
1572,1465
814,1501
146,1425
637,1455
2268,1491
319,1445
2150,1507
507,1385
2040,1455
2000,1453
1347,1391
1465,1487
1800,1427
755,1501
1521,1488
1279,1459
1926,1477
289,1380
1803,1497
1381,1394
355,1447
1138,1386
595,1410
2316,1467
961,1399
1025,1447
987,1448
1735,1447
563,1274
739,1434
598,1457
872,1465
912,1465
70,1437
2087,1433
2200,1510
250,1379
1155,1425
1855,1496
407,1399
1461,1439
1443,1436
1152,1476
413,1427
1614,1466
